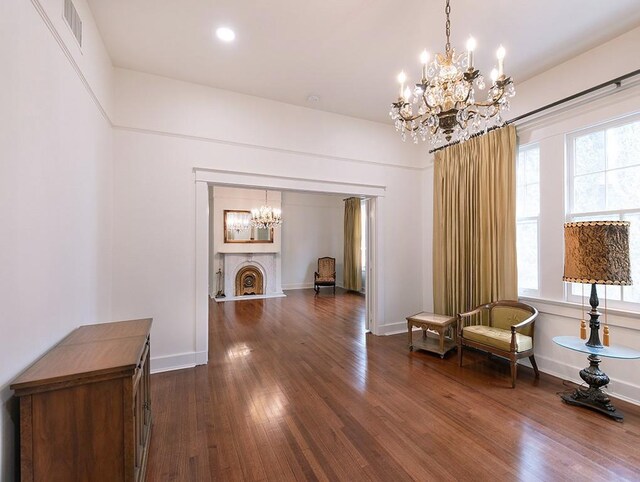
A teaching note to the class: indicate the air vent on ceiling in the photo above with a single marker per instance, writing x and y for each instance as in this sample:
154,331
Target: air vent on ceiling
73,20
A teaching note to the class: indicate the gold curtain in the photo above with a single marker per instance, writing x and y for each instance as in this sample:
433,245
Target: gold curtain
474,229
352,240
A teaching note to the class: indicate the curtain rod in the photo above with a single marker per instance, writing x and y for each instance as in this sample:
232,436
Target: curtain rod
617,82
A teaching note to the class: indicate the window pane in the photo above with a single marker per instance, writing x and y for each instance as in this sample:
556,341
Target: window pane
632,293
623,146
527,182
589,153
521,196
532,200
520,174
589,193
613,293
623,188
532,165
527,242
596,217
606,178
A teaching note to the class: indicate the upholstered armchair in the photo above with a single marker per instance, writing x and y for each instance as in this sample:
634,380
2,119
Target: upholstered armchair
326,274
503,328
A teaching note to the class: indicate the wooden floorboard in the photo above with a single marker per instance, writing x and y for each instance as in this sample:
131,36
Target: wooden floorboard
295,390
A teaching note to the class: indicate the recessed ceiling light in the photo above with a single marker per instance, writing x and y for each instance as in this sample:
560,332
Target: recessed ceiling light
225,34
313,98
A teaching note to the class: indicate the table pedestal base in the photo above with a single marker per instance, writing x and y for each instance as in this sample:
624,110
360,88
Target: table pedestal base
593,397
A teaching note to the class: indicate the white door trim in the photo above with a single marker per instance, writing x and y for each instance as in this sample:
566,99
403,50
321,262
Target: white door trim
205,177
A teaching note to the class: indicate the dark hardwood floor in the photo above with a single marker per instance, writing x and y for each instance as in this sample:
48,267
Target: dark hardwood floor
294,390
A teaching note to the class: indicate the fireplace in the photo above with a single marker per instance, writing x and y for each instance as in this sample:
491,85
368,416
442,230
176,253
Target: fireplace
249,275
249,281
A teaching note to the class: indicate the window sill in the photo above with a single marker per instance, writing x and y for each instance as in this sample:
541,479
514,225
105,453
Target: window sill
616,317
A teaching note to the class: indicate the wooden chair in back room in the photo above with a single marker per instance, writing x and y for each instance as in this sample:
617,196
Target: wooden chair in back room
326,274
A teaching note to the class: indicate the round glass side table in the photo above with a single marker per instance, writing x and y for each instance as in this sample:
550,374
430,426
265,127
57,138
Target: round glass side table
593,397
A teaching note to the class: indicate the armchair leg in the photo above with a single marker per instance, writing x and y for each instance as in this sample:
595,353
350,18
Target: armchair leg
316,289
532,359
334,289
514,373
459,354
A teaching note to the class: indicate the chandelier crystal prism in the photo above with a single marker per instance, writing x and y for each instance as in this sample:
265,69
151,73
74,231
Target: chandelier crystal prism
266,216
444,108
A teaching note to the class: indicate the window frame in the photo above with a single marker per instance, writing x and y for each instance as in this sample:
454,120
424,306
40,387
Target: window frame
570,215
528,292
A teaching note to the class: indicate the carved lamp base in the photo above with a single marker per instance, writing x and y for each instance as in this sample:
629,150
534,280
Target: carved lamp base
593,397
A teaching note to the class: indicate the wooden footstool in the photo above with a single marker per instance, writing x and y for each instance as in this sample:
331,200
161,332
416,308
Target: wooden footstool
438,332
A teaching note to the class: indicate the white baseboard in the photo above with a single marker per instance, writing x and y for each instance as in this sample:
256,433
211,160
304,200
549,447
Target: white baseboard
393,328
304,286
297,286
177,362
250,297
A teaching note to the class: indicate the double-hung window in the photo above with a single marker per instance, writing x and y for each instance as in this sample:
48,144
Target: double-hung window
527,218
603,183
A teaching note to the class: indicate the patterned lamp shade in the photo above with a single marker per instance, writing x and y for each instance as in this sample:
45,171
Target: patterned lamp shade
597,252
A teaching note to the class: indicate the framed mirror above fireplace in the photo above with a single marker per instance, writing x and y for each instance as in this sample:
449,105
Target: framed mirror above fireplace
238,229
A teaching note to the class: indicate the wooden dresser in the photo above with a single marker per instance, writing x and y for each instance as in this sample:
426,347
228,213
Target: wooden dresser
85,408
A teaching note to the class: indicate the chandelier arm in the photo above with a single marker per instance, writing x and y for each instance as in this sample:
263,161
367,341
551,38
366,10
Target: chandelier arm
409,118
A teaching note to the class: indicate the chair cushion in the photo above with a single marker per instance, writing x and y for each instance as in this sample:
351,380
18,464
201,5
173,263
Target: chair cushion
325,279
496,337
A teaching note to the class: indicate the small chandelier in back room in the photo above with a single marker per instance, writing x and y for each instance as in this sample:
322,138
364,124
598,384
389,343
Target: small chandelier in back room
444,106
266,216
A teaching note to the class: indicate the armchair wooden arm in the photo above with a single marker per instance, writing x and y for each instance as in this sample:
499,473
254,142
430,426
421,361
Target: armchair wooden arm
524,323
475,311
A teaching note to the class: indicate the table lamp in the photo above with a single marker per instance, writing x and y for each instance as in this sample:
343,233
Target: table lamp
596,252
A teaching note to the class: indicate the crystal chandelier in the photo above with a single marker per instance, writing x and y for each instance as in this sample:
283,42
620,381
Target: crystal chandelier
266,216
444,106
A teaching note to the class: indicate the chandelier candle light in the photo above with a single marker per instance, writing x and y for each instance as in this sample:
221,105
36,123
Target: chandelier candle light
444,106
266,216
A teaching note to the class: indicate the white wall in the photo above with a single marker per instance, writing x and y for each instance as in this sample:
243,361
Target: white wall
313,228
228,198
55,191
165,132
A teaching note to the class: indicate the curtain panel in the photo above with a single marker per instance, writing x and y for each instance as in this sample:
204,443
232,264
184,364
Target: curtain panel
352,240
474,231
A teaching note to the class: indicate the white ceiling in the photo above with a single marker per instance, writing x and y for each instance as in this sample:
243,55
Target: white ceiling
348,52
